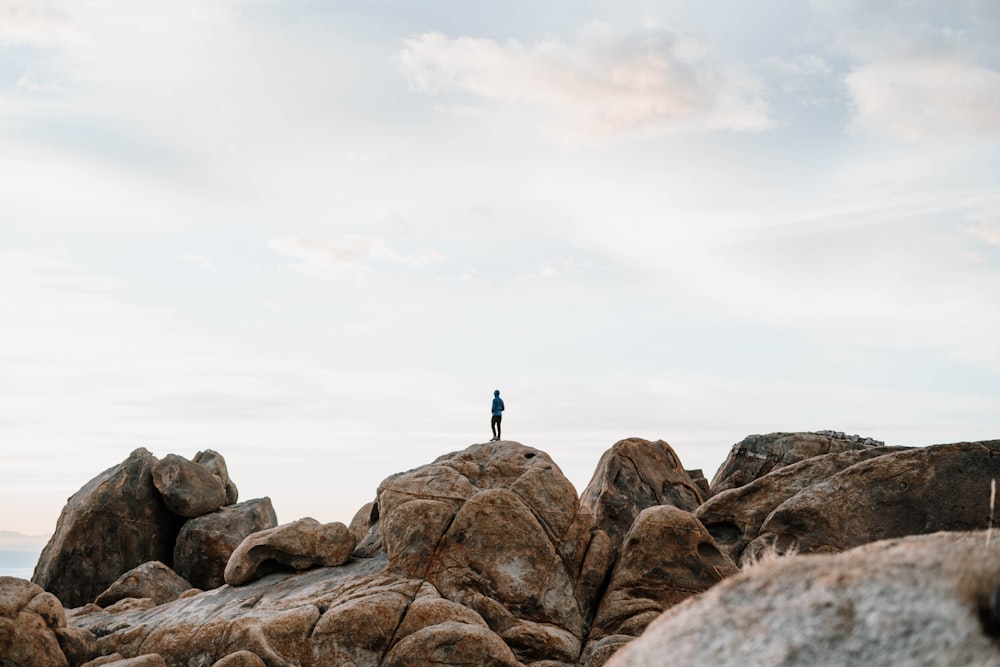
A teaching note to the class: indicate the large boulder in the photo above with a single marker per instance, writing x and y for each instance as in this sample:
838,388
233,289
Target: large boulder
734,516
943,487
495,528
667,557
631,476
152,580
920,602
298,545
116,522
206,543
189,489
757,455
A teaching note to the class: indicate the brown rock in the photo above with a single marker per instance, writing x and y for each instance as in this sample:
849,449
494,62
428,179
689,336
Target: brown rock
104,660
241,659
757,455
189,490
78,645
667,557
216,464
631,476
152,580
917,601
130,604
29,621
299,545
145,660
452,643
366,529
206,543
943,487
734,516
495,528
116,522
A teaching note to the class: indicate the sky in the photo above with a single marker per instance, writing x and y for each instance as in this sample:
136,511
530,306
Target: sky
315,236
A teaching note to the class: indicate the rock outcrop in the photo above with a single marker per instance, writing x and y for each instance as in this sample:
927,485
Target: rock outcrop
944,487
757,455
734,516
486,556
921,601
116,522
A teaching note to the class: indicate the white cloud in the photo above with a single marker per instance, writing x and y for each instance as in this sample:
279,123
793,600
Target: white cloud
988,228
202,262
916,99
350,257
27,23
606,83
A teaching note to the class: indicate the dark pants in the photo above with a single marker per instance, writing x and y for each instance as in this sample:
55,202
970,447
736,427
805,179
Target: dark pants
495,425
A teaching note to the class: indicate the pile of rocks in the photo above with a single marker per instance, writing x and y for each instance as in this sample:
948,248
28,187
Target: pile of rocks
488,556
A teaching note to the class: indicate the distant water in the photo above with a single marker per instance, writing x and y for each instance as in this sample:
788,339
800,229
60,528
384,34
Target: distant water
19,564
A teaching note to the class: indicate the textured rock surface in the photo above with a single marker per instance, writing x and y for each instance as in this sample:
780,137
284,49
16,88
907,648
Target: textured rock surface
734,516
298,545
205,544
116,522
667,557
152,580
919,601
28,627
188,489
757,455
631,476
216,464
944,487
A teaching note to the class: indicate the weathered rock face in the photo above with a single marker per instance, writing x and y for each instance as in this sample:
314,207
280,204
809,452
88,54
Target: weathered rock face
152,580
667,557
734,516
116,522
919,601
492,527
757,455
205,544
944,487
33,629
188,489
216,464
298,545
631,476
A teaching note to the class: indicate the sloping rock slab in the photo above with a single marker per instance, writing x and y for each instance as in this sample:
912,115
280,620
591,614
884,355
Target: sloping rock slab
942,487
734,516
920,601
757,455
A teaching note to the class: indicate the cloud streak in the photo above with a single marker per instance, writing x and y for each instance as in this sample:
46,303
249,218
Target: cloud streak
606,83
352,257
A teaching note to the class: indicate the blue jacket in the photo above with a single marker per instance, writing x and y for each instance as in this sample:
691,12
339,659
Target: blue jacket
497,404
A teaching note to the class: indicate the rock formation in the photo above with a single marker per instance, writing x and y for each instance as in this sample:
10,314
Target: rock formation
152,580
116,522
487,556
757,455
33,629
188,489
921,601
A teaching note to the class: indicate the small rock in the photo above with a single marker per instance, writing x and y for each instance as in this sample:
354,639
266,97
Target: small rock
152,580
299,545
188,489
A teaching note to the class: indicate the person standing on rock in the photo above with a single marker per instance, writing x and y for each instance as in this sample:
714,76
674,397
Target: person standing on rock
497,415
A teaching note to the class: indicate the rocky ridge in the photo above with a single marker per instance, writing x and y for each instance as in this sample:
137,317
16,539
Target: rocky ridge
488,556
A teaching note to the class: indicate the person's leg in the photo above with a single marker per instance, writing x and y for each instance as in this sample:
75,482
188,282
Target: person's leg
499,418
493,427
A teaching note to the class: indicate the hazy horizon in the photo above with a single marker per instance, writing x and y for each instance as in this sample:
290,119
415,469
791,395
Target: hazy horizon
315,237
